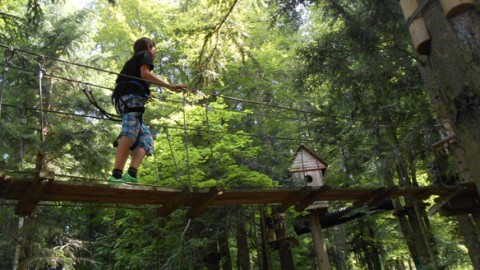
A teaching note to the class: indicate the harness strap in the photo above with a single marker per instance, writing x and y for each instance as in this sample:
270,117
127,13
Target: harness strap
124,109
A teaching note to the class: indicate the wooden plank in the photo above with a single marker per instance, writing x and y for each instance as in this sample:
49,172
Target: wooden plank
70,191
205,201
310,198
176,203
32,196
293,199
443,200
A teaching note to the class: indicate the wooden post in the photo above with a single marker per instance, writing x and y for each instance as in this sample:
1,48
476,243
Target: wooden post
320,248
418,29
452,8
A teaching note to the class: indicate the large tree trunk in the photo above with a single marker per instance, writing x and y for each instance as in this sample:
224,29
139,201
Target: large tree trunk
451,73
468,228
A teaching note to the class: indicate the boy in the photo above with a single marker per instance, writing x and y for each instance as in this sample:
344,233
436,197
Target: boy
130,95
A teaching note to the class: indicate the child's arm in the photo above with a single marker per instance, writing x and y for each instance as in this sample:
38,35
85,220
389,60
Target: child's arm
148,75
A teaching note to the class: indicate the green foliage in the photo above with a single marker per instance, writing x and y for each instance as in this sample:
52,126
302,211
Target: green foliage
336,76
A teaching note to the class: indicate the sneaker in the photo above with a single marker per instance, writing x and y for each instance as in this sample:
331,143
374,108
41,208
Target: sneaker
129,179
113,180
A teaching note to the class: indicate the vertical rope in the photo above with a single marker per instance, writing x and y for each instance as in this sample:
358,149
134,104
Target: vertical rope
301,152
42,120
6,65
21,111
307,126
210,140
165,129
184,103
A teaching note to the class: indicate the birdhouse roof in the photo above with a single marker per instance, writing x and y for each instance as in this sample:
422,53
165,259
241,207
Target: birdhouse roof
315,156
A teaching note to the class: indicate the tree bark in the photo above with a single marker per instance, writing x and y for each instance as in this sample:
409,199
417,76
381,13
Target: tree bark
470,238
266,263
284,251
342,248
226,260
451,73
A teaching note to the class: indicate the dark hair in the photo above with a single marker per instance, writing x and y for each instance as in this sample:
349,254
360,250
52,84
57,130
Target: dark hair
143,44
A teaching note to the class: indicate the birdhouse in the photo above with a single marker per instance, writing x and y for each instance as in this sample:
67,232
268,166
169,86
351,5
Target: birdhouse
307,166
308,169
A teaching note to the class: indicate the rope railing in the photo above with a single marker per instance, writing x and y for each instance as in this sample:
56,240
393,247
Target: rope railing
313,113
41,59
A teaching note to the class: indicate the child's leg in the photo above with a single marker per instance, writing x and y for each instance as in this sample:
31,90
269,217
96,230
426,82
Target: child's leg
137,157
144,148
122,152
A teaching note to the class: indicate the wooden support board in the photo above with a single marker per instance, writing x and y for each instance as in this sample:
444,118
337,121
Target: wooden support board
171,199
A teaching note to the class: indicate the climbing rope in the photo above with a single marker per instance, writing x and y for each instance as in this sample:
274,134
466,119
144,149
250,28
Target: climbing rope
91,98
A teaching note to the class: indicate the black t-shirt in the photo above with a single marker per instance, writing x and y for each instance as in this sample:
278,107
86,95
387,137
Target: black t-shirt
132,69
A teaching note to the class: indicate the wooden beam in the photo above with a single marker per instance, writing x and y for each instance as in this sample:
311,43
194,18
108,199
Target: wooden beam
310,198
373,200
172,205
204,202
443,200
33,195
293,199
449,139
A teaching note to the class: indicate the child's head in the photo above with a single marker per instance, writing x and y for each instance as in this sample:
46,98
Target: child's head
143,44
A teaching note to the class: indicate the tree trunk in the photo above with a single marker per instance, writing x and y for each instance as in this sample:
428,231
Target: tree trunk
451,74
243,251
370,249
225,251
18,247
468,227
386,172
470,238
341,247
266,263
284,251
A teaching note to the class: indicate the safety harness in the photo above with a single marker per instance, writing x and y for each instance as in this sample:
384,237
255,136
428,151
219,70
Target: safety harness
125,88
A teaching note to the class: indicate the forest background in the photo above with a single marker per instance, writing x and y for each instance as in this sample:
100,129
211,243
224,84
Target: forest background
339,77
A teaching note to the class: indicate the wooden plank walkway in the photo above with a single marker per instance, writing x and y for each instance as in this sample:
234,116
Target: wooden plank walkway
29,192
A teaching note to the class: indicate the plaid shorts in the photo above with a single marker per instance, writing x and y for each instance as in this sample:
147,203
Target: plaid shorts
132,125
